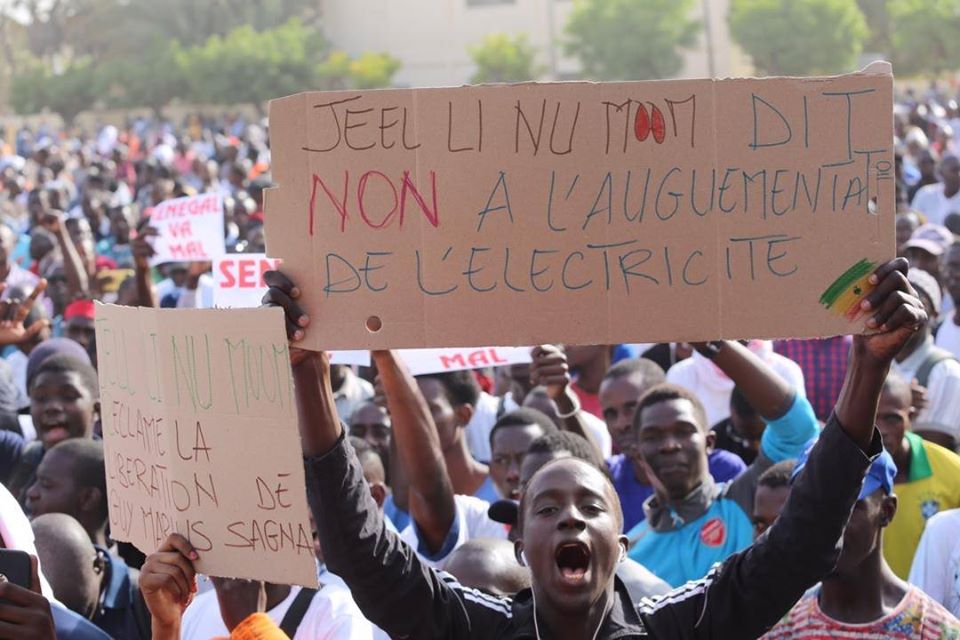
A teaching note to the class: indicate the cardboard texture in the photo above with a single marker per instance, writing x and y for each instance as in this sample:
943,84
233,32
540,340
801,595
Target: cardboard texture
200,438
238,284
583,213
189,229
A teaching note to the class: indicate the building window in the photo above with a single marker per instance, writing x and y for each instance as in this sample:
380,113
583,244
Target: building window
488,3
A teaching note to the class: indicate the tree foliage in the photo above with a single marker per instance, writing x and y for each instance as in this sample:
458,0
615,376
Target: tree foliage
501,57
630,39
250,66
243,66
799,37
926,35
372,70
67,93
150,80
880,38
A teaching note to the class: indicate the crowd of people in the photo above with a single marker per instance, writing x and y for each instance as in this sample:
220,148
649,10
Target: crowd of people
609,491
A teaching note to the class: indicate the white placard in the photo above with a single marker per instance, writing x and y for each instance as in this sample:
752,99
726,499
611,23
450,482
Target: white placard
189,229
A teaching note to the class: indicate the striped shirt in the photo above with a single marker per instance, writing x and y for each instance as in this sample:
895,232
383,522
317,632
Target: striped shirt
917,617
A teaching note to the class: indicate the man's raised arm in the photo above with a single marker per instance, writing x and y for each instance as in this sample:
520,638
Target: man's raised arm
791,422
752,590
431,500
392,587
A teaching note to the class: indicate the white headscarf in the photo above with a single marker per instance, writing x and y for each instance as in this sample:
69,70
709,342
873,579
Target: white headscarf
16,533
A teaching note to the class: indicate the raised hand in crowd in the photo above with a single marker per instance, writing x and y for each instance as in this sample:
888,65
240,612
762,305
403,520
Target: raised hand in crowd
550,369
168,584
14,311
893,312
77,275
142,249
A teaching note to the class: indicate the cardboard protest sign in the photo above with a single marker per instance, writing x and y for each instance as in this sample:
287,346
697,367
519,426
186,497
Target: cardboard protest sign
238,284
423,361
583,213
190,229
200,438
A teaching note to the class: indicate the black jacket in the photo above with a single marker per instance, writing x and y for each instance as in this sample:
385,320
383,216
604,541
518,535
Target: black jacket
741,598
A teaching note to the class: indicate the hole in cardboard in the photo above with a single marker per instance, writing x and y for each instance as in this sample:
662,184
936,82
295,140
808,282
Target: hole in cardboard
374,324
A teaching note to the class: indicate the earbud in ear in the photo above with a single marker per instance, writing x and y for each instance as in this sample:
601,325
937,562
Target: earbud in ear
623,553
523,558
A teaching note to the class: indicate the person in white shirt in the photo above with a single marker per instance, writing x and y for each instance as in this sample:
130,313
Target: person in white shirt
934,369
948,336
331,614
471,522
441,518
936,565
484,416
197,295
349,390
712,386
193,289
937,201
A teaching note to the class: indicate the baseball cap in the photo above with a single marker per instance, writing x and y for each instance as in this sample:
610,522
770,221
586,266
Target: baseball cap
932,238
880,475
80,309
504,512
928,285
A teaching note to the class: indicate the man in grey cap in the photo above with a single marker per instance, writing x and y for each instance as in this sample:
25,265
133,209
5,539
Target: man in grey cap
933,368
926,247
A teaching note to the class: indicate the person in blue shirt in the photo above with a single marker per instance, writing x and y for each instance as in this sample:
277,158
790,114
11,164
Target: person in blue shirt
691,521
71,480
117,245
620,392
88,580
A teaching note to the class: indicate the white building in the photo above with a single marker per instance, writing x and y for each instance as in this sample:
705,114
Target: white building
431,37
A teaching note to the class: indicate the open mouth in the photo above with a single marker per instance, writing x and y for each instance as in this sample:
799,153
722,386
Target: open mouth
573,561
54,433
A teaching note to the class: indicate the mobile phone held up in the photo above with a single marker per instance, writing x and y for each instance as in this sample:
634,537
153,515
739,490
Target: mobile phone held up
15,567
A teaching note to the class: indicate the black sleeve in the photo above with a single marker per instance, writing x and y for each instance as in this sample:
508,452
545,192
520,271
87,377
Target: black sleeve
11,446
393,589
752,590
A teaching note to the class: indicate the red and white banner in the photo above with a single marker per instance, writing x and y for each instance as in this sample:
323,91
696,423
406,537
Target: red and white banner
423,361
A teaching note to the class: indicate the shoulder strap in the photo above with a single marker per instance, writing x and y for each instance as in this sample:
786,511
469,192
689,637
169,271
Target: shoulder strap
141,614
935,357
298,609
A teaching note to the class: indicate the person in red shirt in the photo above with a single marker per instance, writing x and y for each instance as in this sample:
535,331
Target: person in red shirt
589,365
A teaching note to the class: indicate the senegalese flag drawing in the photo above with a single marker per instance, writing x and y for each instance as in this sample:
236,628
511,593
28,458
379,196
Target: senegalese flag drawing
844,295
